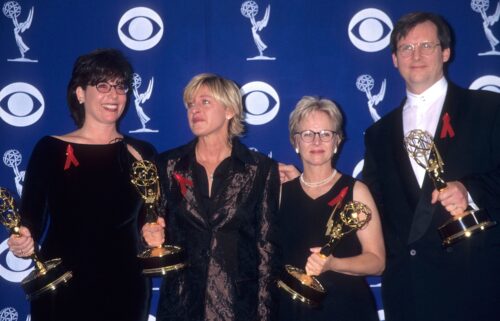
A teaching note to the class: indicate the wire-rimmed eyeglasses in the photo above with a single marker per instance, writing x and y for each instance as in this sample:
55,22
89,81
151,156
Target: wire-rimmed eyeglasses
425,48
104,87
308,136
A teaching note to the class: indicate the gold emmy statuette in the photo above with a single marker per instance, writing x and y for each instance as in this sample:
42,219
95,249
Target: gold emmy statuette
306,288
46,276
421,148
156,261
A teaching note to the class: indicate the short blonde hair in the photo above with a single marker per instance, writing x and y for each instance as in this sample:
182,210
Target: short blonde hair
309,104
224,91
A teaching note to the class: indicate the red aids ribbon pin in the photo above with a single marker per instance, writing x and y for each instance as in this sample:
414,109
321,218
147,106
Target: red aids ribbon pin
337,199
70,158
183,182
447,129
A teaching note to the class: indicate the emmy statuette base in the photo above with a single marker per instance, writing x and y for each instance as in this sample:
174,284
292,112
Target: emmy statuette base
158,261
459,228
37,283
300,286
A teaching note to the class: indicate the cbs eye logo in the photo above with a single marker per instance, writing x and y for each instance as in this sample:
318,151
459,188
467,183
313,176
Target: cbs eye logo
12,268
255,149
370,30
21,104
489,82
358,168
261,102
140,28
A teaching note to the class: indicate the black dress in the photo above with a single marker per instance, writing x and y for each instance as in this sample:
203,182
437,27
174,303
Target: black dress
303,225
85,211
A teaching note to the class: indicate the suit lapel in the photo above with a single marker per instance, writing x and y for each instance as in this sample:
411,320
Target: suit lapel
422,217
182,175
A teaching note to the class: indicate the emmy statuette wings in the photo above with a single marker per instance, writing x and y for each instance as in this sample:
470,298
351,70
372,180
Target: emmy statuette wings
155,261
46,276
306,288
420,146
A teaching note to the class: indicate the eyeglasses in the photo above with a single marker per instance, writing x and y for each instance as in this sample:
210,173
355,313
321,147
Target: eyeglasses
426,48
104,87
308,136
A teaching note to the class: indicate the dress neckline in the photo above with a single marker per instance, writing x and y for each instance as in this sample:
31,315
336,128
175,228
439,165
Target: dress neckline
329,191
83,144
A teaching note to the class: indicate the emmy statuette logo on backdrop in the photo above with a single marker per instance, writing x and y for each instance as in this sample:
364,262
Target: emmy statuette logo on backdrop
250,9
13,158
12,10
365,83
139,99
9,314
481,6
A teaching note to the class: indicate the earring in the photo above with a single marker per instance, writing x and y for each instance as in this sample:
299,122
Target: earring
335,151
297,150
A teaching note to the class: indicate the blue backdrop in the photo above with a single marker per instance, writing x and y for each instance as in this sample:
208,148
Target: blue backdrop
277,51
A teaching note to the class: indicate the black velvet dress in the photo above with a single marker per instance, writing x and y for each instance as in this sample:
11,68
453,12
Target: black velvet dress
85,211
303,226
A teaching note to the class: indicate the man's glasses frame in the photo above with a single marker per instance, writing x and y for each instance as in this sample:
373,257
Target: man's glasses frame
425,48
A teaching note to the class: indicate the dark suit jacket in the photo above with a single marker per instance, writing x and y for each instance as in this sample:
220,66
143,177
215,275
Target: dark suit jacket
231,252
423,280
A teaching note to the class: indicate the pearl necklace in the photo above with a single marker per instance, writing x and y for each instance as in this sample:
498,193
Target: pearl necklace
320,183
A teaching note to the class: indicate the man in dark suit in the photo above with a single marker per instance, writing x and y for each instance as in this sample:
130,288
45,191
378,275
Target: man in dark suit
423,279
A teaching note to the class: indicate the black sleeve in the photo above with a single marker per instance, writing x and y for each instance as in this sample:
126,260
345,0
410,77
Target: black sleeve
34,200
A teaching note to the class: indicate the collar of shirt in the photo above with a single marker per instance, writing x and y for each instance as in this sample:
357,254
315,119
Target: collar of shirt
421,103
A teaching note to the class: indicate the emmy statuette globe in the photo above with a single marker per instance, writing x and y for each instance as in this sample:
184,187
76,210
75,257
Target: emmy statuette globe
155,261
47,276
306,288
420,146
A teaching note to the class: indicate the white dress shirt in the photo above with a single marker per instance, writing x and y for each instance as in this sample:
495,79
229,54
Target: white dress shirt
422,112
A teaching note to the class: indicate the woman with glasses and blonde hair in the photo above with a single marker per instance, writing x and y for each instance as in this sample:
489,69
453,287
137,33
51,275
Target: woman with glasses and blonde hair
307,202
221,201
78,198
